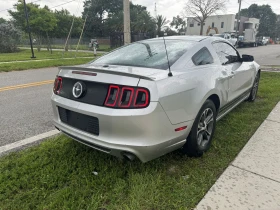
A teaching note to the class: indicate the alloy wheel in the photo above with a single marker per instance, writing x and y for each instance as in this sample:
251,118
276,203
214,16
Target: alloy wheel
255,87
205,127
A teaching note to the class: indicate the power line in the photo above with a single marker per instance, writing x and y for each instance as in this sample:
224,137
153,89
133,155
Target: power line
40,0
62,4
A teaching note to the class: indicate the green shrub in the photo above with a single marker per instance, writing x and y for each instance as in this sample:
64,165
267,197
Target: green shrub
9,37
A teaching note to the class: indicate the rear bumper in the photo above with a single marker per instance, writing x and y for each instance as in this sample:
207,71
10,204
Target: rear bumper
146,133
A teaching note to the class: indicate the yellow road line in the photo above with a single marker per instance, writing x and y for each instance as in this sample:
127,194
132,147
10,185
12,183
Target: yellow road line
26,85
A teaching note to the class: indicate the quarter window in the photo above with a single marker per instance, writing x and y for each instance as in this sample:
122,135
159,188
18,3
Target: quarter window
202,57
226,53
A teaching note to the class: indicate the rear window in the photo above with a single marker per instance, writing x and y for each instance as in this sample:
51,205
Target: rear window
148,54
202,57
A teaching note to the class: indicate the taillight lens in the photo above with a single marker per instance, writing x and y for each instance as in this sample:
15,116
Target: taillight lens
142,98
112,96
127,97
57,85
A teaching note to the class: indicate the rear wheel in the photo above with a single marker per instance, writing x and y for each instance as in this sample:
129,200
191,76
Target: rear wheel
255,89
200,137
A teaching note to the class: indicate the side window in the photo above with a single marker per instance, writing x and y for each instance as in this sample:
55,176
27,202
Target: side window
202,57
226,53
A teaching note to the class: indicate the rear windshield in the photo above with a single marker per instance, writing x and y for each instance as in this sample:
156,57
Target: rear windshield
148,54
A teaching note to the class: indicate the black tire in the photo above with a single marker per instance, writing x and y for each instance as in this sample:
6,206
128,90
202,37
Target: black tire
192,147
255,88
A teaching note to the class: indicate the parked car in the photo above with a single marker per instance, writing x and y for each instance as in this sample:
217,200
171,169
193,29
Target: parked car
137,102
231,38
263,40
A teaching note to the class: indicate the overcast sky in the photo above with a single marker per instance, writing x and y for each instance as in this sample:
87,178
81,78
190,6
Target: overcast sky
168,8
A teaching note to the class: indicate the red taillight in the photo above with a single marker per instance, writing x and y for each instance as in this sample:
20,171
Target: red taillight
126,97
57,85
112,96
142,98
122,97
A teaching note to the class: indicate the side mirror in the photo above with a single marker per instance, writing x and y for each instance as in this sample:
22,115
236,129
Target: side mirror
247,58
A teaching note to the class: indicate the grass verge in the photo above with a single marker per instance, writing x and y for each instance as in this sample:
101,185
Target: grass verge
58,174
24,55
42,64
56,59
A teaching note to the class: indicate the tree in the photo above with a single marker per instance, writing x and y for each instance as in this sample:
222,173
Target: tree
267,18
179,24
9,37
41,20
160,23
277,30
106,16
200,10
2,20
64,22
98,11
170,32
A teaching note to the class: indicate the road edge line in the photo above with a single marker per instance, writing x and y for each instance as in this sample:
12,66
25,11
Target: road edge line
9,147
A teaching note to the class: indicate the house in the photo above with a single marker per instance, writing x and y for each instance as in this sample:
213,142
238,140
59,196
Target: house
219,24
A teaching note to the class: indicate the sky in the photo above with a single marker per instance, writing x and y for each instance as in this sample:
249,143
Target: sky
167,8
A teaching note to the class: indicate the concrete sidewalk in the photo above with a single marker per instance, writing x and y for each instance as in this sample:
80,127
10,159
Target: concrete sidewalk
252,181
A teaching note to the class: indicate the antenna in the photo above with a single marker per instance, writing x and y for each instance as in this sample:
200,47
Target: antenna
170,73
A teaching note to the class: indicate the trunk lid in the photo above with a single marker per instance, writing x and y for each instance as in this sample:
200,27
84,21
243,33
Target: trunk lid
96,80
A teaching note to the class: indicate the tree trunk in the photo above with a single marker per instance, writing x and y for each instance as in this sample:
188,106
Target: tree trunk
201,28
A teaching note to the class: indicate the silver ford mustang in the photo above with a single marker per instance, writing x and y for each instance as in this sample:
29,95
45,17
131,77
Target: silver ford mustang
155,96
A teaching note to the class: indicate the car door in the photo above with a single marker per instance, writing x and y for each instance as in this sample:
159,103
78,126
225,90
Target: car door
240,77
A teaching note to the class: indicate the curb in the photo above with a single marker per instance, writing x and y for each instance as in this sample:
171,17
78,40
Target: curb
26,142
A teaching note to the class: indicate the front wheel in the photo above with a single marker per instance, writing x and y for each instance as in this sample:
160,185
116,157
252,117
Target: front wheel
254,89
200,137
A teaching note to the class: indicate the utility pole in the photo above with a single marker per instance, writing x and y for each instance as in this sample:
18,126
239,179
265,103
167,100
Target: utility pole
126,12
28,28
155,9
238,18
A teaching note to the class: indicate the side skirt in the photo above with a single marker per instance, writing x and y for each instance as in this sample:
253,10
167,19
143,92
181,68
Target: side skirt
231,105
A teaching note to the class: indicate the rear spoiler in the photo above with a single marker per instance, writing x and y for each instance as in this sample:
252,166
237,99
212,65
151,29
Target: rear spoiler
94,70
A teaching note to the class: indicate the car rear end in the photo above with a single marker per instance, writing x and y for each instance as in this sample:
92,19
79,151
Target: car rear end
118,113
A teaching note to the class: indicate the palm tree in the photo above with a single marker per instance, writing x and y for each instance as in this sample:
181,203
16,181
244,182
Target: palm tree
161,21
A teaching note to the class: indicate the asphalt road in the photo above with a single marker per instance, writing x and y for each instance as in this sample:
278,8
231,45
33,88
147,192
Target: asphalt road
264,55
25,110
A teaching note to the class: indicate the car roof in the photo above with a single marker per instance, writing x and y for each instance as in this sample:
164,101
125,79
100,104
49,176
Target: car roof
188,38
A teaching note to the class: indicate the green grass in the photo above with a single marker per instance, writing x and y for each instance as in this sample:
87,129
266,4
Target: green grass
58,174
42,64
57,59
24,55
